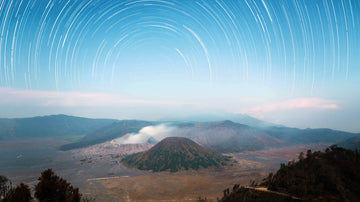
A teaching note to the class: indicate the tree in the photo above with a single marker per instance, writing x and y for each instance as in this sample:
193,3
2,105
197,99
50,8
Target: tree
301,156
53,188
308,153
20,193
5,187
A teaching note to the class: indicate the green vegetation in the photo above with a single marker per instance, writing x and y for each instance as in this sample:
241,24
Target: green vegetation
50,188
5,187
330,175
333,175
244,194
175,154
351,143
53,188
20,193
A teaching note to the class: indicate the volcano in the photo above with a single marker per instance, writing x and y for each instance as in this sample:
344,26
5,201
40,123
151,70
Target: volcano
174,154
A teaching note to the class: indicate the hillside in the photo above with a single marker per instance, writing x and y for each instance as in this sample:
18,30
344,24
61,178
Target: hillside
220,136
307,136
175,153
333,175
237,118
107,133
330,175
352,143
227,136
49,126
250,194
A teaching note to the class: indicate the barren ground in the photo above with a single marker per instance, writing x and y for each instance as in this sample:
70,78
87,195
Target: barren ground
98,173
166,186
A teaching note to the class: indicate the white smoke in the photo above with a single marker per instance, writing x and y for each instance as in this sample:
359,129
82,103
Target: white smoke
157,132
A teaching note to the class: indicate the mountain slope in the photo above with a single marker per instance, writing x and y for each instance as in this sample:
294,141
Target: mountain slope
333,175
222,136
49,126
109,132
227,136
237,118
306,136
352,143
175,153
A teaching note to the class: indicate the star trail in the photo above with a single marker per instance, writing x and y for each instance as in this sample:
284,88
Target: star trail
294,47
92,41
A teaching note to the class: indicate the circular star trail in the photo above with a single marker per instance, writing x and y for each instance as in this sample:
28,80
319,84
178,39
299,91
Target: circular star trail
96,44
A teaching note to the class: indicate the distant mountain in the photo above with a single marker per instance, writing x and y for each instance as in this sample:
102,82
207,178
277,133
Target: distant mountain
352,143
175,153
238,118
49,126
226,136
220,136
307,136
109,132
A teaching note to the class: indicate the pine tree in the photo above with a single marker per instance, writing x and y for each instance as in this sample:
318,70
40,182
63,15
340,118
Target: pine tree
53,188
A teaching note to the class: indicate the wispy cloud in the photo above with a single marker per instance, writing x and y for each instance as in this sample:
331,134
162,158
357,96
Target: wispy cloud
298,103
68,99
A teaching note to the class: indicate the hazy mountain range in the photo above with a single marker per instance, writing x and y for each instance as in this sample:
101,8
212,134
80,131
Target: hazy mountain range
222,136
238,118
49,126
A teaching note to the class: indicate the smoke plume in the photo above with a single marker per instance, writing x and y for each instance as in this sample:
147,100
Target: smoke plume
157,133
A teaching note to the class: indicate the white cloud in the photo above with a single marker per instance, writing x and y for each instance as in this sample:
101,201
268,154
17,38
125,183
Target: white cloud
69,99
299,103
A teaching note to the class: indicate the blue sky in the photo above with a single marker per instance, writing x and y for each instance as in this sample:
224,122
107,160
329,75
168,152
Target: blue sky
290,62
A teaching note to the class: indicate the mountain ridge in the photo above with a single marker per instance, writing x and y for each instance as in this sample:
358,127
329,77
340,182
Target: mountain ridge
352,143
222,136
107,133
49,126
